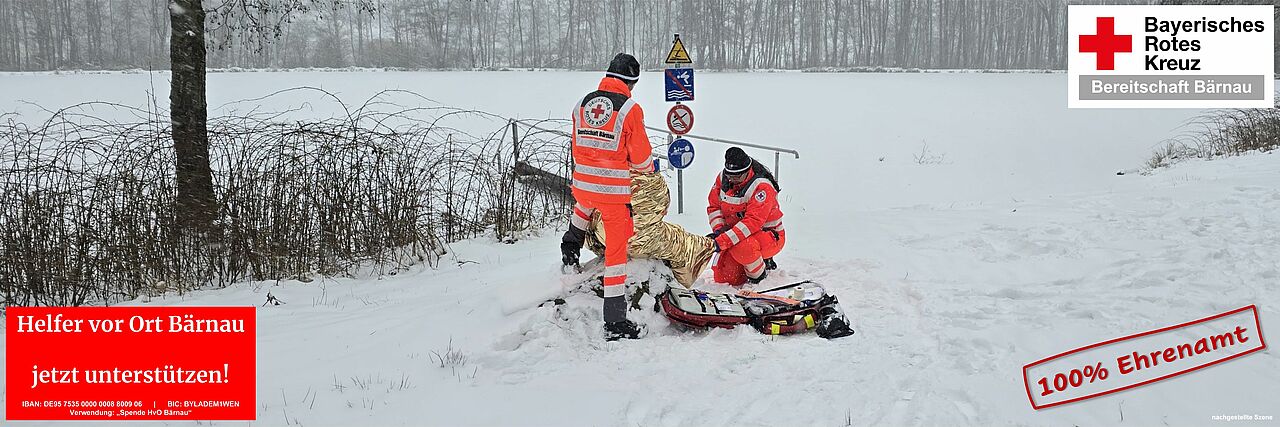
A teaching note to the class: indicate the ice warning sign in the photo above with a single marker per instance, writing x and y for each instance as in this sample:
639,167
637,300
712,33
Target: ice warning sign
1170,56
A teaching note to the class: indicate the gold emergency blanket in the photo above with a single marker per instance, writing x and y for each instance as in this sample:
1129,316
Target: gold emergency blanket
687,254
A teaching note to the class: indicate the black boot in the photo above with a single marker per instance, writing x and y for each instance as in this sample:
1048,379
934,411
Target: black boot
769,264
624,329
763,274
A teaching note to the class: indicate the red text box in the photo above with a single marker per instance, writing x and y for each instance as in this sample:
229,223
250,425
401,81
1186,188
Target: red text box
1140,359
130,363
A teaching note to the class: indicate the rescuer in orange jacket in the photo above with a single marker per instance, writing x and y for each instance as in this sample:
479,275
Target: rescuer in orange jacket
609,141
746,221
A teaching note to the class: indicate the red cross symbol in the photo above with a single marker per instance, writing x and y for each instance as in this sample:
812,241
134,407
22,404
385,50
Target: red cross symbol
1106,43
597,111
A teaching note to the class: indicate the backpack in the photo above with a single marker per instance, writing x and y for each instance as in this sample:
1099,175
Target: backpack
779,311
703,309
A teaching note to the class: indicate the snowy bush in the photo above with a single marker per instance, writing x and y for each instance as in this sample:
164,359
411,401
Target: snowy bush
1228,132
86,205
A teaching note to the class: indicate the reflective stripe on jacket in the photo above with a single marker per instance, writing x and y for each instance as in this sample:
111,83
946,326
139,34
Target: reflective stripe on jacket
743,210
608,140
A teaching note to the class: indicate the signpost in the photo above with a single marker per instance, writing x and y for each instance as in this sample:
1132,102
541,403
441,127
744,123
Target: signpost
679,84
680,119
680,153
679,87
678,54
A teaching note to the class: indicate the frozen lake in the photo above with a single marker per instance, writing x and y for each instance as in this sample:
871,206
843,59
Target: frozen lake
993,136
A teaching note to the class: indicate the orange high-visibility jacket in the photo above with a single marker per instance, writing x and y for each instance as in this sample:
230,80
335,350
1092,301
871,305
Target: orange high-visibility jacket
743,210
609,140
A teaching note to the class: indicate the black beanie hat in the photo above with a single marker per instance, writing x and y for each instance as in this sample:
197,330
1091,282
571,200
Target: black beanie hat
736,161
625,67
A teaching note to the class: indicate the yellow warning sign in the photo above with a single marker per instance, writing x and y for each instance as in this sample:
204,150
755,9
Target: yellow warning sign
678,55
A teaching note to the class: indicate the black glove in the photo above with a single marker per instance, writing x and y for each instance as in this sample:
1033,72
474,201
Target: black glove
569,252
715,233
570,244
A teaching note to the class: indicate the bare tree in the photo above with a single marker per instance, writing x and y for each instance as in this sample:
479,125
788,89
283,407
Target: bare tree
195,204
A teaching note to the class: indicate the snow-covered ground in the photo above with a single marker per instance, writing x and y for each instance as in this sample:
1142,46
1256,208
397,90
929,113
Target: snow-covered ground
1016,241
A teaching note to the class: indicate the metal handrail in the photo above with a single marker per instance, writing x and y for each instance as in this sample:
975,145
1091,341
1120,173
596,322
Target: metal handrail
688,135
566,134
732,142
680,172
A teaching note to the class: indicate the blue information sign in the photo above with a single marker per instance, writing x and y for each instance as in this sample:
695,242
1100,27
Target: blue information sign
680,153
679,84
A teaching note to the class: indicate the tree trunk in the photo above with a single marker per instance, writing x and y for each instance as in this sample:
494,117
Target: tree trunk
195,206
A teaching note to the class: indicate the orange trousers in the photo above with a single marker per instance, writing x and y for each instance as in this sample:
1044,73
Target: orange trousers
746,259
618,230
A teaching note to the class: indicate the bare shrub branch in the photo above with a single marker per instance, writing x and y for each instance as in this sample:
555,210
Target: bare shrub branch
87,204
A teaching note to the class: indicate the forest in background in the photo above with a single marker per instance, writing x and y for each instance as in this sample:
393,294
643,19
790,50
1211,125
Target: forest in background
40,35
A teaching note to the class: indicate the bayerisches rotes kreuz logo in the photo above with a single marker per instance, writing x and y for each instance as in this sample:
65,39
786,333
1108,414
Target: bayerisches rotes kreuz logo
1106,43
597,111
1170,56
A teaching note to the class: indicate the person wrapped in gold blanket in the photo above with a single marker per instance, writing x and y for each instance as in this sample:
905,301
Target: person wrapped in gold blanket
685,253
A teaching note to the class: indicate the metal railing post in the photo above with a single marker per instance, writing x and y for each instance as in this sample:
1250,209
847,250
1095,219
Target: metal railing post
679,180
777,173
515,142
680,190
